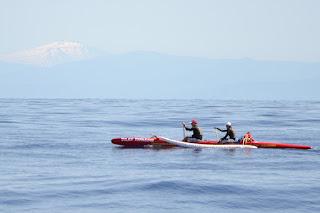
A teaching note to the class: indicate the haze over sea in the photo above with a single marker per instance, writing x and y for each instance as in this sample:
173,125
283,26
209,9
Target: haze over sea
56,156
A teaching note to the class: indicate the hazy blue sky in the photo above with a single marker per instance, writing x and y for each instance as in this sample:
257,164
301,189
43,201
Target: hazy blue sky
258,29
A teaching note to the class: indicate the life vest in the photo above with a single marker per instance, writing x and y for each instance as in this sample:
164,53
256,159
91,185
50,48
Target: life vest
247,138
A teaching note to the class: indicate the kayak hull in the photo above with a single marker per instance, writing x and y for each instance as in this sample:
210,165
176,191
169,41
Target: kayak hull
133,142
199,145
156,141
160,142
276,145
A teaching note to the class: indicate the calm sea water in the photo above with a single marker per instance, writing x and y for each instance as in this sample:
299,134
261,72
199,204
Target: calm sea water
56,156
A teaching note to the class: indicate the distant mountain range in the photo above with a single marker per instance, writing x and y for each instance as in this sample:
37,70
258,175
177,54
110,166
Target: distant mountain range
69,70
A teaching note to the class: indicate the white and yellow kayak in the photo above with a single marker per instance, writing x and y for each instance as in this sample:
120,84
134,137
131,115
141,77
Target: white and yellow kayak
197,145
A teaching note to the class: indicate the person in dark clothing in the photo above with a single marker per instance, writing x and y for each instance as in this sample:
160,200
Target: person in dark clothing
230,133
197,135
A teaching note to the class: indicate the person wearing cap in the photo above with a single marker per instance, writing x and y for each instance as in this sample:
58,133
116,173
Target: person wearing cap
230,133
197,135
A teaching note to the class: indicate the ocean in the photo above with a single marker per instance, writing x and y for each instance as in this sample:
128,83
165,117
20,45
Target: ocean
56,156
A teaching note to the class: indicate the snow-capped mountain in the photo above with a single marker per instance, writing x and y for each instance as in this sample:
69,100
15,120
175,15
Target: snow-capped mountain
49,54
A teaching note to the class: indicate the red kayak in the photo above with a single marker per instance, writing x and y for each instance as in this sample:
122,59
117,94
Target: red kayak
154,141
261,144
133,142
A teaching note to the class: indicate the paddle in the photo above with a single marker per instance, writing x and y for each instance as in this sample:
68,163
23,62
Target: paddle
217,134
184,130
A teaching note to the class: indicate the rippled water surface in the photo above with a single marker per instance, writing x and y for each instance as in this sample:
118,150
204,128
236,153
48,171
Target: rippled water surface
56,156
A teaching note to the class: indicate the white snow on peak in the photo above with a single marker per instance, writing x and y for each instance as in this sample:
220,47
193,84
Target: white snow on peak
49,54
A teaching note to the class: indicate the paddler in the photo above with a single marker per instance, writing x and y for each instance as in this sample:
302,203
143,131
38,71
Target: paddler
230,133
247,138
196,136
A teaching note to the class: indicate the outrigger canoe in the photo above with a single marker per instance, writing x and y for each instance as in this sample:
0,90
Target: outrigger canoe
138,142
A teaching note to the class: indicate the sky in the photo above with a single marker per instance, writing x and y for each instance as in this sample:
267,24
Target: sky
281,30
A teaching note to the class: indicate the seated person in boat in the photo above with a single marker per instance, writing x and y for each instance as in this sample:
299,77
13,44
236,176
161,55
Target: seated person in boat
230,134
247,138
197,135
